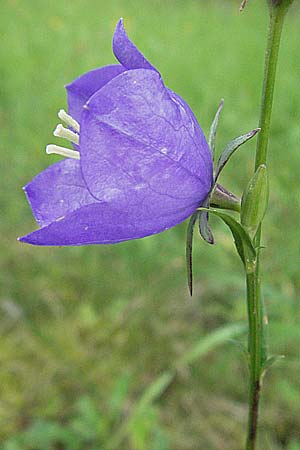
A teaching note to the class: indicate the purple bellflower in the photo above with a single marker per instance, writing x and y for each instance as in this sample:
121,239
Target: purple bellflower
140,164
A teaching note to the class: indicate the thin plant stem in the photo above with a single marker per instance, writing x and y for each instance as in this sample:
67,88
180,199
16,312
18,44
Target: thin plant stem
257,349
275,27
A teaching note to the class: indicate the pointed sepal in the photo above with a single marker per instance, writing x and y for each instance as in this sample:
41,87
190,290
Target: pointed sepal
189,250
224,199
204,227
231,147
213,129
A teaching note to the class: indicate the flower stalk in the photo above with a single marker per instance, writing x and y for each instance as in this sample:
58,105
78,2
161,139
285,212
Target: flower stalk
257,348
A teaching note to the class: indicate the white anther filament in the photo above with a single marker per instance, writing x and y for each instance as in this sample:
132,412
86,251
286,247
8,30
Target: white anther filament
68,120
63,151
65,133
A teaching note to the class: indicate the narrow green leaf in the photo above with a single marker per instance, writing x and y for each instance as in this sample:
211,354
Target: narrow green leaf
211,341
119,394
241,238
231,147
201,348
160,384
189,250
213,129
155,389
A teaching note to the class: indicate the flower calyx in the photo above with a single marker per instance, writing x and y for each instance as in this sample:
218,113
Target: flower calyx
220,198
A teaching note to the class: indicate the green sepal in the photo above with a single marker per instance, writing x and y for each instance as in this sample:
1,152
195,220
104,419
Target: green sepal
204,227
224,199
189,250
241,238
255,200
213,129
231,147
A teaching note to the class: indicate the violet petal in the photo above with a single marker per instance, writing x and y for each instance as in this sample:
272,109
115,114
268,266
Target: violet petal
83,87
135,138
126,52
56,191
100,223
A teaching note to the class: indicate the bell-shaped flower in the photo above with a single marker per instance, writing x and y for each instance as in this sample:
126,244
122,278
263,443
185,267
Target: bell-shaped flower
140,163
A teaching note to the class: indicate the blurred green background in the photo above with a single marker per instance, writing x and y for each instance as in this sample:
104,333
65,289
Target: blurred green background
101,347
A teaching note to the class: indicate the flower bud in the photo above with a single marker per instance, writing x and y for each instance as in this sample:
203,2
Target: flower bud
255,200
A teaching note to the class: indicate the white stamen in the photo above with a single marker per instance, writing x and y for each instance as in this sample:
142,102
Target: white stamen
69,120
65,133
63,151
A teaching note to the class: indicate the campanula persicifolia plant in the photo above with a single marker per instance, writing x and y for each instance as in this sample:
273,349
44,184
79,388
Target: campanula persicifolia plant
141,164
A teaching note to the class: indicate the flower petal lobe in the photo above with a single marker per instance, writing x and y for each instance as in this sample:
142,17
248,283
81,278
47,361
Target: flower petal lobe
57,191
134,134
102,223
83,87
126,52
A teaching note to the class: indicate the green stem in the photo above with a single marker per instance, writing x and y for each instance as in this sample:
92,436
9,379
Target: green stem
254,297
256,350
277,15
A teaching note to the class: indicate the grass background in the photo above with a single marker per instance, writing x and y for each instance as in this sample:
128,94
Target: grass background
85,331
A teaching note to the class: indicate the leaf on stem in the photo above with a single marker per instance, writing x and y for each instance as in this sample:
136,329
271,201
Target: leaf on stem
241,238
